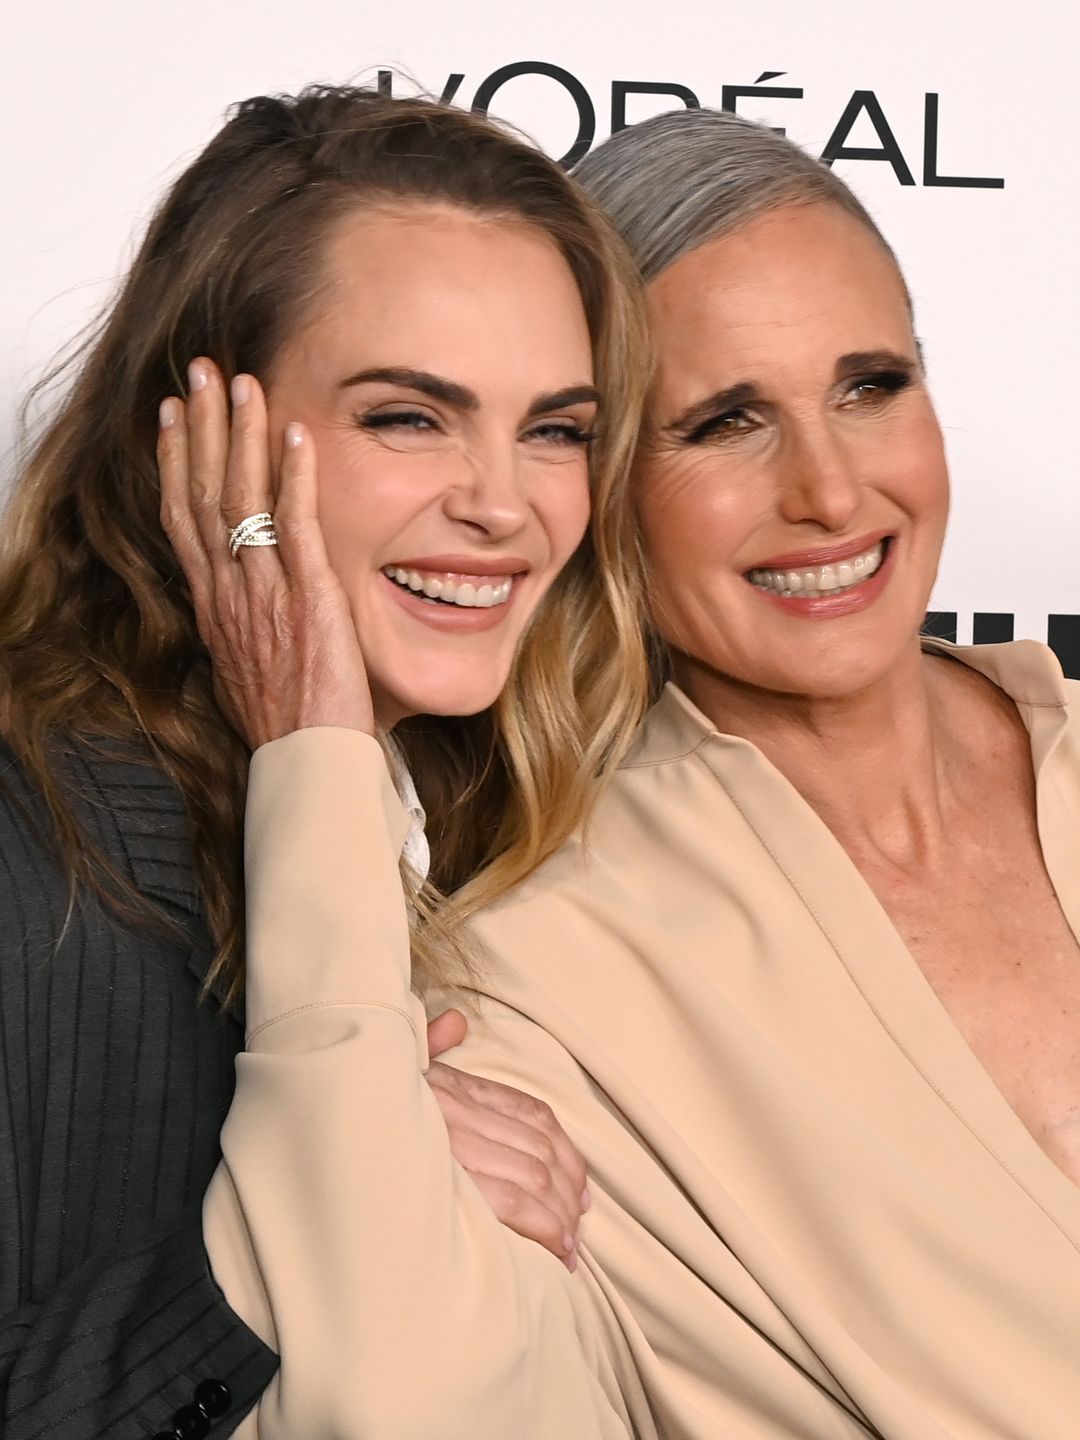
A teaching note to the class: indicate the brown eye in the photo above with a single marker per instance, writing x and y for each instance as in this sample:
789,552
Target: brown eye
876,389
722,427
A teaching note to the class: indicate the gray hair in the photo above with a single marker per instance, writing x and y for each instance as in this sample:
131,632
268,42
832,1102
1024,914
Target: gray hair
676,181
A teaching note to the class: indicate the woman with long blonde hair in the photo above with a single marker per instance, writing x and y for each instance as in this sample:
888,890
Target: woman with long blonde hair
434,309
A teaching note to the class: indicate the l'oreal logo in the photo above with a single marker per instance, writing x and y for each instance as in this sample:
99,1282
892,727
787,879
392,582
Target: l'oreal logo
863,107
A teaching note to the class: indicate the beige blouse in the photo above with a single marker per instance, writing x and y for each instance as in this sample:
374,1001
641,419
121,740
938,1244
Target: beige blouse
814,1214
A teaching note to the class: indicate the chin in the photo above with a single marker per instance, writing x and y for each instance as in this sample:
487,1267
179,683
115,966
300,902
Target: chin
458,703
832,671
455,693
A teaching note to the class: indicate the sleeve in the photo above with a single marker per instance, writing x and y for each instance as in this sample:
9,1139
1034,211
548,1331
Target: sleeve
131,1347
113,1084
338,1223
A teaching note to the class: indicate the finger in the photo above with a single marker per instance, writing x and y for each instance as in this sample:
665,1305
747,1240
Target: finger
507,1162
177,518
208,447
296,514
478,1133
248,489
570,1171
509,1115
445,1032
528,1217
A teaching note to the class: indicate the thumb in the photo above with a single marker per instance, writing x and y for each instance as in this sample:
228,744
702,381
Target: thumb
445,1032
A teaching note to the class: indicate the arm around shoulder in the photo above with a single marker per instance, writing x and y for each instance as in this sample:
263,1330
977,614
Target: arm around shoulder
339,1223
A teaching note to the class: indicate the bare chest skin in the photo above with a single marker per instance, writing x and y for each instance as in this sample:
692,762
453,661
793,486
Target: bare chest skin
989,935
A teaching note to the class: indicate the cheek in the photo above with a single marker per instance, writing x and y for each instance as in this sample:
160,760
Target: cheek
907,463
561,501
695,517
369,494
930,477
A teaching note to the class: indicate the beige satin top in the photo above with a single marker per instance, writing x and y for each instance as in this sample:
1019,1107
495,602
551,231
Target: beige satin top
814,1214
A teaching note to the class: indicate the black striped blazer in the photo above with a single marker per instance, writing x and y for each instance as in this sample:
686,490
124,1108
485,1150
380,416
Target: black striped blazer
114,1082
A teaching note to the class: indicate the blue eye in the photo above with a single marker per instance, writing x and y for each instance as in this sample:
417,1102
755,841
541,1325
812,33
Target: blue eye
562,433
396,419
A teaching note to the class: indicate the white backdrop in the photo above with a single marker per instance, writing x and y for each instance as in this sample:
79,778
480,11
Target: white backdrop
102,104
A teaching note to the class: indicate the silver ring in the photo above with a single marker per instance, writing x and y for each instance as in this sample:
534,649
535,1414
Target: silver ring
255,530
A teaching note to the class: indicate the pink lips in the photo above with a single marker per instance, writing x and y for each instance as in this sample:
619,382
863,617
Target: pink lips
464,567
826,555
843,602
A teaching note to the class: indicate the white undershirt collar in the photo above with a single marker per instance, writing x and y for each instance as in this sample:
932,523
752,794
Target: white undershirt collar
415,849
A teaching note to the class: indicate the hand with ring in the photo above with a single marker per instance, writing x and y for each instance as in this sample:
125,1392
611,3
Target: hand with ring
269,608
253,530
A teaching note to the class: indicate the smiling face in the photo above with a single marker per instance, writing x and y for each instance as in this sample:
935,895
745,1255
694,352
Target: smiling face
446,378
791,482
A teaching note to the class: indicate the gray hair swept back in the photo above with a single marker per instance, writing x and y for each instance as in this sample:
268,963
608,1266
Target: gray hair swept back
679,180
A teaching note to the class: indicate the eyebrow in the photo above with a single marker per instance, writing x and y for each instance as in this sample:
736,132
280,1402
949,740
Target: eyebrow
459,396
562,399
448,391
715,404
862,362
848,367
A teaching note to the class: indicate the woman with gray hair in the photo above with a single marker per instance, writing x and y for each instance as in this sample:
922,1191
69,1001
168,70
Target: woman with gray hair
806,991
832,894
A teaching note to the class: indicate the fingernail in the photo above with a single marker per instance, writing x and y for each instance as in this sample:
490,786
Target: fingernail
167,413
196,375
586,1200
294,435
239,389
567,1243
571,1262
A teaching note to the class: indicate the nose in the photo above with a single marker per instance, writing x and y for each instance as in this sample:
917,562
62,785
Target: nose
819,483
489,496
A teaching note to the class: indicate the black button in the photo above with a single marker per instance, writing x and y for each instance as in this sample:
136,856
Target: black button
190,1424
213,1397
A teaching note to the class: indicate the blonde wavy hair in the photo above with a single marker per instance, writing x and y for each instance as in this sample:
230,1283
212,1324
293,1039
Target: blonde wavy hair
97,632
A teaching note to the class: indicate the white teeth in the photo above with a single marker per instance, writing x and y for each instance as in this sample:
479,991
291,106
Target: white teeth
463,593
825,580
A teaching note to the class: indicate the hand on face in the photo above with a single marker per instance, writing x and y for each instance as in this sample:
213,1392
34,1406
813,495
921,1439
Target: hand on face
792,482
445,384
275,619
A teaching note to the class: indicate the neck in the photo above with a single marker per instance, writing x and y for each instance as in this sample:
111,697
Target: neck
886,767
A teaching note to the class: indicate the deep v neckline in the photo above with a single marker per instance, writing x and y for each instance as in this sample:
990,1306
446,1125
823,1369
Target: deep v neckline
885,973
